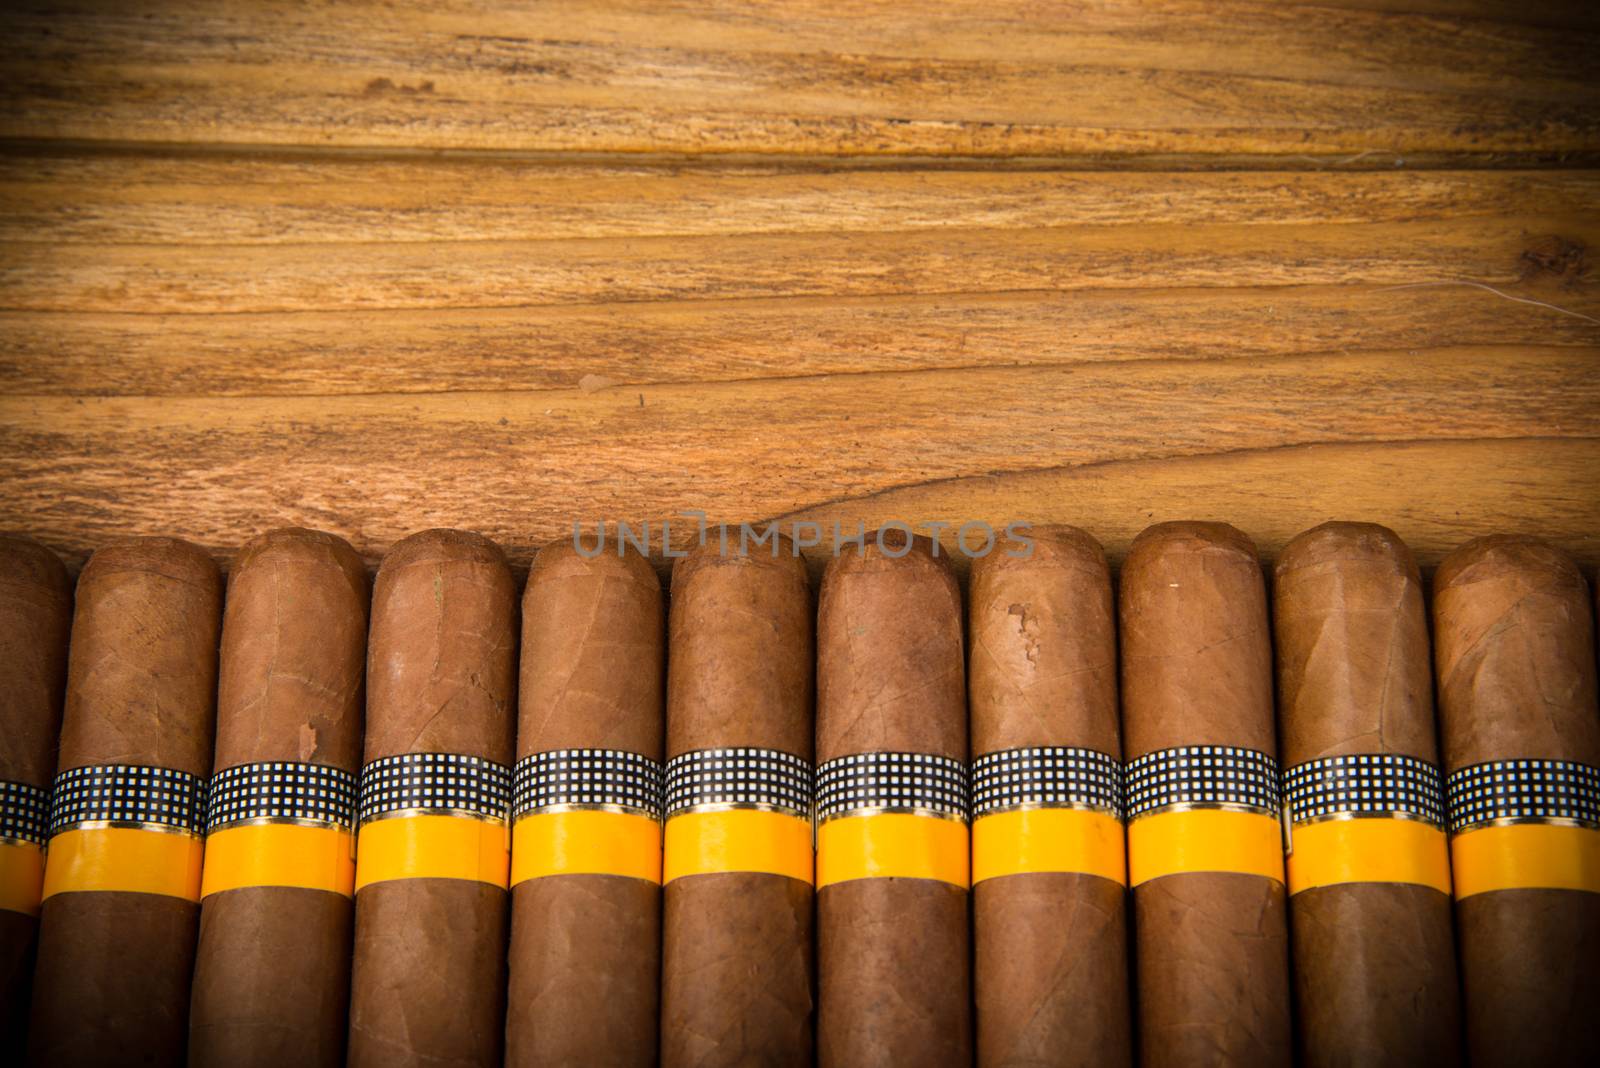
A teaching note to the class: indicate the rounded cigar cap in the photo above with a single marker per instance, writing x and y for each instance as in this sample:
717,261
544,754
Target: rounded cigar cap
294,638
740,669
1514,653
442,648
1352,642
1196,650
298,546
142,671
35,618
31,570
1043,657
592,652
171,558
441,546
890,667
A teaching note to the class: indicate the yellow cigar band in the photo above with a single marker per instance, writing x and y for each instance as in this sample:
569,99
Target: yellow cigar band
280,854
738,840
133,860
21,876
125,828
1037,840
1368,850
1185,841
586,842
429,846
1526,856
892,845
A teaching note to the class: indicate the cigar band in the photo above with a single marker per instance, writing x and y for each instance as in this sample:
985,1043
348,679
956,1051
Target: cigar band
1047,809
1524,825
1203,808
24,815
1366,818
738,810
433,816
892,816
586,812
280,823
125,828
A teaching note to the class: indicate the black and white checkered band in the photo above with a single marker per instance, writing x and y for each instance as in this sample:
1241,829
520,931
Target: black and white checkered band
24,811
124,793
442,783
1046,776
587,778
1528,790
764,778
1204,775
282,791
1368,784
902,782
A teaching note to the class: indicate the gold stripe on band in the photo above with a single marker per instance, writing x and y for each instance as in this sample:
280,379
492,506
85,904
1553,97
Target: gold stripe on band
1526,856
1204,840
432,847
892,845
279,854
1368,850
738,840
21,877
124,859
1034,840
586,842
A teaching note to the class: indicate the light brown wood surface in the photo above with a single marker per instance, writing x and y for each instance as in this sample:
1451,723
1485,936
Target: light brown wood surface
800,77
1104,264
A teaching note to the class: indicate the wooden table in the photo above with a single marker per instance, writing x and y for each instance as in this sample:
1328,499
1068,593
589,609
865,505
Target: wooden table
373,270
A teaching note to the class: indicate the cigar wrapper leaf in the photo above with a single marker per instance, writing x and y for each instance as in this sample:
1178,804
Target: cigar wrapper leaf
586,883
122,872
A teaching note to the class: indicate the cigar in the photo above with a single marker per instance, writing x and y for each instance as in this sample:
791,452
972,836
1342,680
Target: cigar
586,886
122,869
272,971
432,848
1514,651
35,618
1049,875
1369,867
892,848
1205,848
737,975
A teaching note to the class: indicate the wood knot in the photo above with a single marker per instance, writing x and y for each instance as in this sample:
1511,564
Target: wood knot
382,86
1555,256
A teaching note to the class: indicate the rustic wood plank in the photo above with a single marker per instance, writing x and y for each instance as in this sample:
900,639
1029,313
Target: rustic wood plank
523,466
185,200
273,278
134,275
599,347
963,77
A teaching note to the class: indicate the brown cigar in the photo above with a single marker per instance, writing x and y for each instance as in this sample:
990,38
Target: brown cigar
586,948
35,618
893,952
1374,952
1051,976
1516,669
116,953
428,979
272,972
737,952
1211,939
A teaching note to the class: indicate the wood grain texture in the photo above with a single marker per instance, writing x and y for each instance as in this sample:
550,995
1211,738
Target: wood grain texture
522,467
371,271
800,77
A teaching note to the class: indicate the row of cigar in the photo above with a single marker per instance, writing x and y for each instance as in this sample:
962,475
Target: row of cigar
314,823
